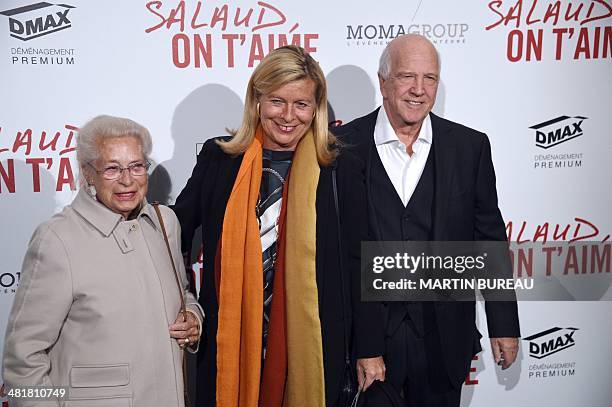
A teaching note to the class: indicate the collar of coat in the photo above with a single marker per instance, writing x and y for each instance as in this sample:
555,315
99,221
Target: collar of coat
101,217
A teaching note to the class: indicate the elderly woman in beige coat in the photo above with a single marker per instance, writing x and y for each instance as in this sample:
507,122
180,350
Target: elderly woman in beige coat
98,309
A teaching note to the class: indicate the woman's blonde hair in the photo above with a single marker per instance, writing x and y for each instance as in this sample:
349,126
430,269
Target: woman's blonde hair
279,67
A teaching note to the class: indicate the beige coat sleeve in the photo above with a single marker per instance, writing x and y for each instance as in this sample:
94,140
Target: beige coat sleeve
41,305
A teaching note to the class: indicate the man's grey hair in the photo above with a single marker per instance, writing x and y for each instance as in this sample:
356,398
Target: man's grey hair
384,63
91,135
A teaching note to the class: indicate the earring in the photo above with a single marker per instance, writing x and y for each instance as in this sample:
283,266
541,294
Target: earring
258,114
91,189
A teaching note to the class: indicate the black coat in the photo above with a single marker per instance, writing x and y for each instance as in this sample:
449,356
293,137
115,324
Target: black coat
203,202
465,209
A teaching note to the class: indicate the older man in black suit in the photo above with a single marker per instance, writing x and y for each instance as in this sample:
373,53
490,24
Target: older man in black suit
429,179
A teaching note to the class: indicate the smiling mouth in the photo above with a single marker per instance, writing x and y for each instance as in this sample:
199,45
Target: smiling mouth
414,103
286,129
125,196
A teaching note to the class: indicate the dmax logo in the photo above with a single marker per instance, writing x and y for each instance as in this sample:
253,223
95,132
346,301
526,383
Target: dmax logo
557,131
36,20
550,341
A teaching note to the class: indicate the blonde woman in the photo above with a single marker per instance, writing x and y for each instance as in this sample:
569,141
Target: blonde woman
272,286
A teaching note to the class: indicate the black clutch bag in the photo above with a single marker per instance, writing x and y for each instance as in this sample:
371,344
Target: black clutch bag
379,394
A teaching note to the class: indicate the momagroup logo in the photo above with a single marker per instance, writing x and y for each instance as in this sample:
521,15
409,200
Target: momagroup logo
558,130
38,19
551,341
382,34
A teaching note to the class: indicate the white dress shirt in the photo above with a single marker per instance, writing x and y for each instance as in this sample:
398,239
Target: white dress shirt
403,170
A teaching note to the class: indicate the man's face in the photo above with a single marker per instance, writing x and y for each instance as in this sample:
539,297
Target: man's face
409,91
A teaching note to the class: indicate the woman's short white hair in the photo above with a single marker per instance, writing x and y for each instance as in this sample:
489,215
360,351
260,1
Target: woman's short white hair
103,127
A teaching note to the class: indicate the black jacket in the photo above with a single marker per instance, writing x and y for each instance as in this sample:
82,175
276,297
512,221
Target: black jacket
465,209
203,201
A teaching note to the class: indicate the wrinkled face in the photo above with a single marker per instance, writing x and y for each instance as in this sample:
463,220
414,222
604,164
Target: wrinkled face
409,92
126,193
286,114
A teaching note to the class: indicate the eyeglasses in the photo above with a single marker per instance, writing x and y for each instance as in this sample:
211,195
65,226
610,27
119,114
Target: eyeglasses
113,172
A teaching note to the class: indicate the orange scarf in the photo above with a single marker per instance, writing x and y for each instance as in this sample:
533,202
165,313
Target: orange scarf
240,320
239,332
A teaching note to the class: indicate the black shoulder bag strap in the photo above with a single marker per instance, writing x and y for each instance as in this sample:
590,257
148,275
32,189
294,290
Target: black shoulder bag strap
349,387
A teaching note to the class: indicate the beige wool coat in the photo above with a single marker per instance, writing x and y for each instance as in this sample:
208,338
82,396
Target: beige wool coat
96,297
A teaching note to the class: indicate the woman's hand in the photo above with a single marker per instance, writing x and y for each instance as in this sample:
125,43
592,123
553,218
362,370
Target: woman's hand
185,329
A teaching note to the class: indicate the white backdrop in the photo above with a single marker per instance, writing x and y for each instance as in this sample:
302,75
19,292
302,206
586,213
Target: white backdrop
180,68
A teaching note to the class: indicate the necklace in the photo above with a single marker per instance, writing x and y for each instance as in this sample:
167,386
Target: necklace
270,261
261,203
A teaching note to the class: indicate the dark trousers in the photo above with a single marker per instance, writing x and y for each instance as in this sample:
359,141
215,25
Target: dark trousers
415,367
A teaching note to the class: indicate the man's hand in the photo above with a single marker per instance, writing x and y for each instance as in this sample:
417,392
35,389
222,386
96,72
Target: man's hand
368,370
504,351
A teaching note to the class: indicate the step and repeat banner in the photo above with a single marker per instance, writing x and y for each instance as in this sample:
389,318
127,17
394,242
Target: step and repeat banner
535,75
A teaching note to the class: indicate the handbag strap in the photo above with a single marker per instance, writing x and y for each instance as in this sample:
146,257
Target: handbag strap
176,276
181,295
347,356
